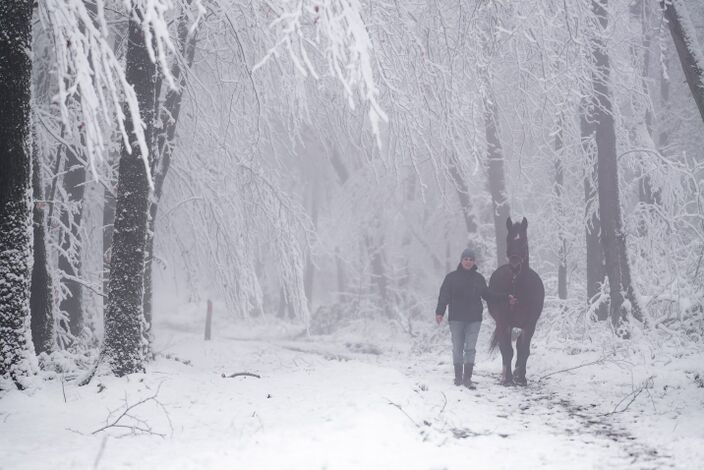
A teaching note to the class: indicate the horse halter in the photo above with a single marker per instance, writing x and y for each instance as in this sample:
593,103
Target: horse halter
517,268
516,253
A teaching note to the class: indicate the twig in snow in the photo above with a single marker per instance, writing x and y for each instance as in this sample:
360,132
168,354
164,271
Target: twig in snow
91,373
239,374
647,384
173,357
141,425
100,451
63,389
444,404
599,361
403,411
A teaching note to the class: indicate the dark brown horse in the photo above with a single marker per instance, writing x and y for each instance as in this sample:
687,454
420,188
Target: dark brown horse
518,279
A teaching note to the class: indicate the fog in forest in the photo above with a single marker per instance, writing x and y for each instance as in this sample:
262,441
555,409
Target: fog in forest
211,205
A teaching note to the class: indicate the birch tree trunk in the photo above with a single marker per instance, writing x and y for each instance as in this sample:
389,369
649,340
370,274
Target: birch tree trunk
16,348
613,238
124,316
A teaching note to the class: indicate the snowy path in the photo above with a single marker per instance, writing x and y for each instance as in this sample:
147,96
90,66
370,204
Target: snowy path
316,405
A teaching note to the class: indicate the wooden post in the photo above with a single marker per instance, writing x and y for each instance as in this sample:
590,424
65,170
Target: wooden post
208,320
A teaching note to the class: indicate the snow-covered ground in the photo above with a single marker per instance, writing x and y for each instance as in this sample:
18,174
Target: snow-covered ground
362,398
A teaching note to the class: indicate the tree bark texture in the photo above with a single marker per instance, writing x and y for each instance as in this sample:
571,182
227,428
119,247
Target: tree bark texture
108,222
688,49
124,316
165,144
41,300
17,359
596,271
497,179
74,184
562,241
613,238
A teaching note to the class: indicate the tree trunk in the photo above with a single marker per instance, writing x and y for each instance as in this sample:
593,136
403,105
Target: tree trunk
647,194
374,242
166,142
613,238
342,175
596,271
497,179
74,184
688,49
108,221
663,135
16,348
309,275
463,194
41,301
562,241
124,316
342,293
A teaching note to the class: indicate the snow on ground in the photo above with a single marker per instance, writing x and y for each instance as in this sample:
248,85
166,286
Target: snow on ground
358,399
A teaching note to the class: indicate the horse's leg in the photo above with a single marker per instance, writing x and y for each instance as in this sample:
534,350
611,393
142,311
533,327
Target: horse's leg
503,334
522,353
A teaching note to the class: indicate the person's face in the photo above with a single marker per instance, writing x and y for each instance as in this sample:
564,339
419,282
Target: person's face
467,263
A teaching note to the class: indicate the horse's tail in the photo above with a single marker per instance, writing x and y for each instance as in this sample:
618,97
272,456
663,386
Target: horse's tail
494,341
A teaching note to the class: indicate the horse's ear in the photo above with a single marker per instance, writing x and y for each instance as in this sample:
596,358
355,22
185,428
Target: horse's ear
509,224
524,224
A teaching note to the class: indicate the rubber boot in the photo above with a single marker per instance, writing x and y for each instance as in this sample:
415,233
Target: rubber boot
467,380
458,374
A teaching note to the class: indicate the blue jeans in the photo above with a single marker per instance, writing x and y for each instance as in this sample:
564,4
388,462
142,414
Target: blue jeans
464,340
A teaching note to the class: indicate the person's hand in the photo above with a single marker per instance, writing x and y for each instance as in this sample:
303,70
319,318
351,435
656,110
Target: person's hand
512,300
438,319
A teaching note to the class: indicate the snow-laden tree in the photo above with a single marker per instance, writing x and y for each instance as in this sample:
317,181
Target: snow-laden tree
16,349
42,291
124,313
688,49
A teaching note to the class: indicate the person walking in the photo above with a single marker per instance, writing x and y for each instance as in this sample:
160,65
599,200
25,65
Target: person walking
463,290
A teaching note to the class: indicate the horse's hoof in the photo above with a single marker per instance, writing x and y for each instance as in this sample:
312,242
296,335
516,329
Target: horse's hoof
507,383
521,381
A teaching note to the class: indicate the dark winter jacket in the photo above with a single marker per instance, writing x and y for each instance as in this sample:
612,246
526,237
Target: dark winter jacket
463,291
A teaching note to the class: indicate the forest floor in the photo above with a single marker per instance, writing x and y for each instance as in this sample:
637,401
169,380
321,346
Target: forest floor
362,398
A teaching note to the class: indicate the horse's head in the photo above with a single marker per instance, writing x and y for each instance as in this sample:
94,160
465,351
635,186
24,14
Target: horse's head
517,242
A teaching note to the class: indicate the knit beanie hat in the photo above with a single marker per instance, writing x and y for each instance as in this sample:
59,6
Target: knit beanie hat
468,253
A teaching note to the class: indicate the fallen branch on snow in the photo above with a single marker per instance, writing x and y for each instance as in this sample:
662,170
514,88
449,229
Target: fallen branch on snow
593,363
645,385
240,374
96,462
403,411
138,424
